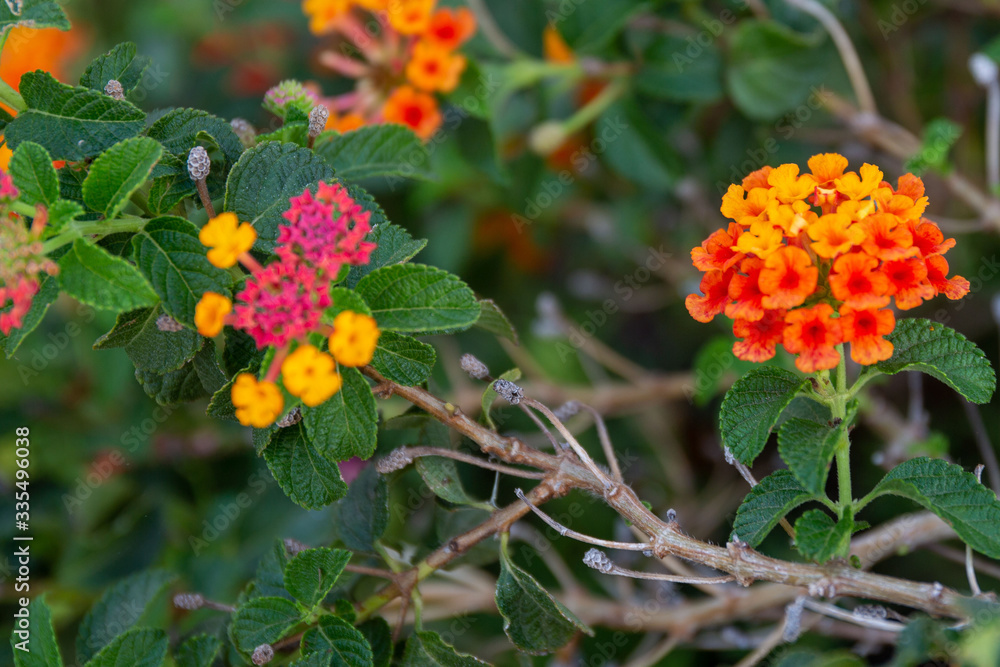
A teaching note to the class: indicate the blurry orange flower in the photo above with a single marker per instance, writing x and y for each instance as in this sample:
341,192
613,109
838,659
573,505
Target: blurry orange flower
409,17
433,68
554,47
418,111
450,28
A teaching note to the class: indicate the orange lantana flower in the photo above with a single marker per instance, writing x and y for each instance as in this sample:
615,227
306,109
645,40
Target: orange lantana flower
450,28
788,278
788,185
813,334
885,238
715,287
864,330
432,67
716,252
835,234
856,281
744,291
418,111
907,282
760,338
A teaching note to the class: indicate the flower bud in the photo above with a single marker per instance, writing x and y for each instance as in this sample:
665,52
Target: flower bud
317,119
113,88
189,601
508,390
262,655
198,164
475,368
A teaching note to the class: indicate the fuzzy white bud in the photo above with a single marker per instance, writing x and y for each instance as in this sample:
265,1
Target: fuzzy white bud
509,391
983,68
166,323
199,164
262,655
475,368
293,417
113,88
189,601
567,410
396,460
244,130
317,119
598,560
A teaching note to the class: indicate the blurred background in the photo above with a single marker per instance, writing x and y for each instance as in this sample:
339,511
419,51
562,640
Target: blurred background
586,249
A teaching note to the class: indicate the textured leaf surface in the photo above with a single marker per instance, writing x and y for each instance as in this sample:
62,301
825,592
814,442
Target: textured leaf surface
375,150
121,64
32,171
818,538
264,620
338,642
37,14
89,274
807,448
198,651
427,649
441,476
119,172
263,179
775,496
311,574
169,254
943,353
953,494
43,649
304,474
196,379
72,123
379,637
149,348
179,129
139,647
346,424
418,299
364,514
403,359
752,407
534,621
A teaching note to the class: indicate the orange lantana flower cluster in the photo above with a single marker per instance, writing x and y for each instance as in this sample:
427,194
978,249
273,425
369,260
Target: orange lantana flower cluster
813,260
400,52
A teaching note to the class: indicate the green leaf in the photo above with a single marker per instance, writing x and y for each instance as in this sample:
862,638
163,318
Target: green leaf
681,70
345,299
305,475
263,179
179,130
403,359
939,136
364,513
338,642
346,424
752,407
36,14
775,496
932,348
167,192
441,476
637,148
772,69
394,246
492,319
534,621
490,395
72,123
121,64
196,379
33,174
169,254
427,649
119,172
807,448
62,213
419,299
149,348
47,293
379,638
40,648
139,647
197,651
375,150
269,579
589,27
264,620
89,274
953,494
119,608
818,538
312,573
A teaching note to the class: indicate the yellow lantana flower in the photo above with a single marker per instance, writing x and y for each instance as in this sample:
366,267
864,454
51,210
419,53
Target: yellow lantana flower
227,238
210,313
258,403
354,338
310,375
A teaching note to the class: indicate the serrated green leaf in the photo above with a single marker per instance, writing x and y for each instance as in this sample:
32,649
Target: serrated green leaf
379,637
943,353
91,275
775,496
196,379
403,359
198,651
269,578
312,573
414,298
47,293
263,179
72,123
121,64
752,407
305,475
119,172
394,245
345,299
490,395
534,621
38,647
441,476
953,494
346,424
492,319
149,348
375,150
119,608
61,214
264,620
139,647
364,512
807,448
33,174
167,192
427,649
178,131
818,538
36,14
240,351
338,642
169,254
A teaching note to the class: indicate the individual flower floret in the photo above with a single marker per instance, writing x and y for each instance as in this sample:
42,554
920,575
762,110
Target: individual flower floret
210,313
310,375
418,111
409,17
864,330
227,238
760,337
450,28
257,403
715,288
835,234
788,277
813,334
354,338
856,281
433,68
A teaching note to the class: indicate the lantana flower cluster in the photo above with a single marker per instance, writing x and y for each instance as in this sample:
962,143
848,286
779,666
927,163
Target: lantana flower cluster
22,259
401,52
811,261
282,303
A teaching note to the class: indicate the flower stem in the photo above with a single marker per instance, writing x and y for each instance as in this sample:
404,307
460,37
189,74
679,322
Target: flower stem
125,223
843,454
11,97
